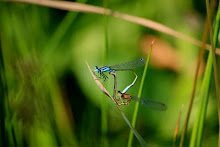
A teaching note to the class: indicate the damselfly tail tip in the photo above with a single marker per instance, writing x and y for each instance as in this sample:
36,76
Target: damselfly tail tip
119,92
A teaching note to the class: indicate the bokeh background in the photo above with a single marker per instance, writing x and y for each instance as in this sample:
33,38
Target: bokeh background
49,98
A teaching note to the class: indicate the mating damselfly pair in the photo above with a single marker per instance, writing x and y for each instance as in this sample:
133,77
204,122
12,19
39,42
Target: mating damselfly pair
129,66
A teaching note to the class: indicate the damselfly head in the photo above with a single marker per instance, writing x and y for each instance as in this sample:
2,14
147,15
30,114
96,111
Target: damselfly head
141,59
97,68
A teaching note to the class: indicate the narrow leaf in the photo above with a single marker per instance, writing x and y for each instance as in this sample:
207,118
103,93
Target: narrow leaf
134,118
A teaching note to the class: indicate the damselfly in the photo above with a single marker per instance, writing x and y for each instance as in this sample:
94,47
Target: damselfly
121,67
146,102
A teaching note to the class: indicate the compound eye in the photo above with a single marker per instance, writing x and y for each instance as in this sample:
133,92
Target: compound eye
142,59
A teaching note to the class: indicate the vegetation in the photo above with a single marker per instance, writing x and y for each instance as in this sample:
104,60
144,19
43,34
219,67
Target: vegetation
49,98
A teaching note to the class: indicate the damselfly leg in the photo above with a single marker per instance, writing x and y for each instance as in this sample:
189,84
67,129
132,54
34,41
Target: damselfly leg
101,75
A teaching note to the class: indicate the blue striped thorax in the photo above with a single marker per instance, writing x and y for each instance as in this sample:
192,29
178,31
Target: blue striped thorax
103,69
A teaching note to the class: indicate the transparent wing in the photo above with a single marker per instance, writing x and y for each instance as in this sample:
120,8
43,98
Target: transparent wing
129,65
151,104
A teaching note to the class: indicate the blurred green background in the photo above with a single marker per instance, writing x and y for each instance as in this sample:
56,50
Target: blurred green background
49,98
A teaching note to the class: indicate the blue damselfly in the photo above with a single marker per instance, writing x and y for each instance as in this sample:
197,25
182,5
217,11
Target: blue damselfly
121,67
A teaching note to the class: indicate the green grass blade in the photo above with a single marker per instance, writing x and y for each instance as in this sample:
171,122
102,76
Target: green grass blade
200,58
198,128
200,118
210,10
3,94
134,119
58,35
104,115
138,136
60,32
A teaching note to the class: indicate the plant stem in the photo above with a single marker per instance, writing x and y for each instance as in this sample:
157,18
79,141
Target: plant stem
104,117
204,38
198,128
134,118
213,40
3,94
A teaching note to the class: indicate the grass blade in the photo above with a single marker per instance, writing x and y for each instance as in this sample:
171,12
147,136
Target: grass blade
134,118
213,40
3,95
201,52
60,32
104,121
200,118
140,139
177,127
197,133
